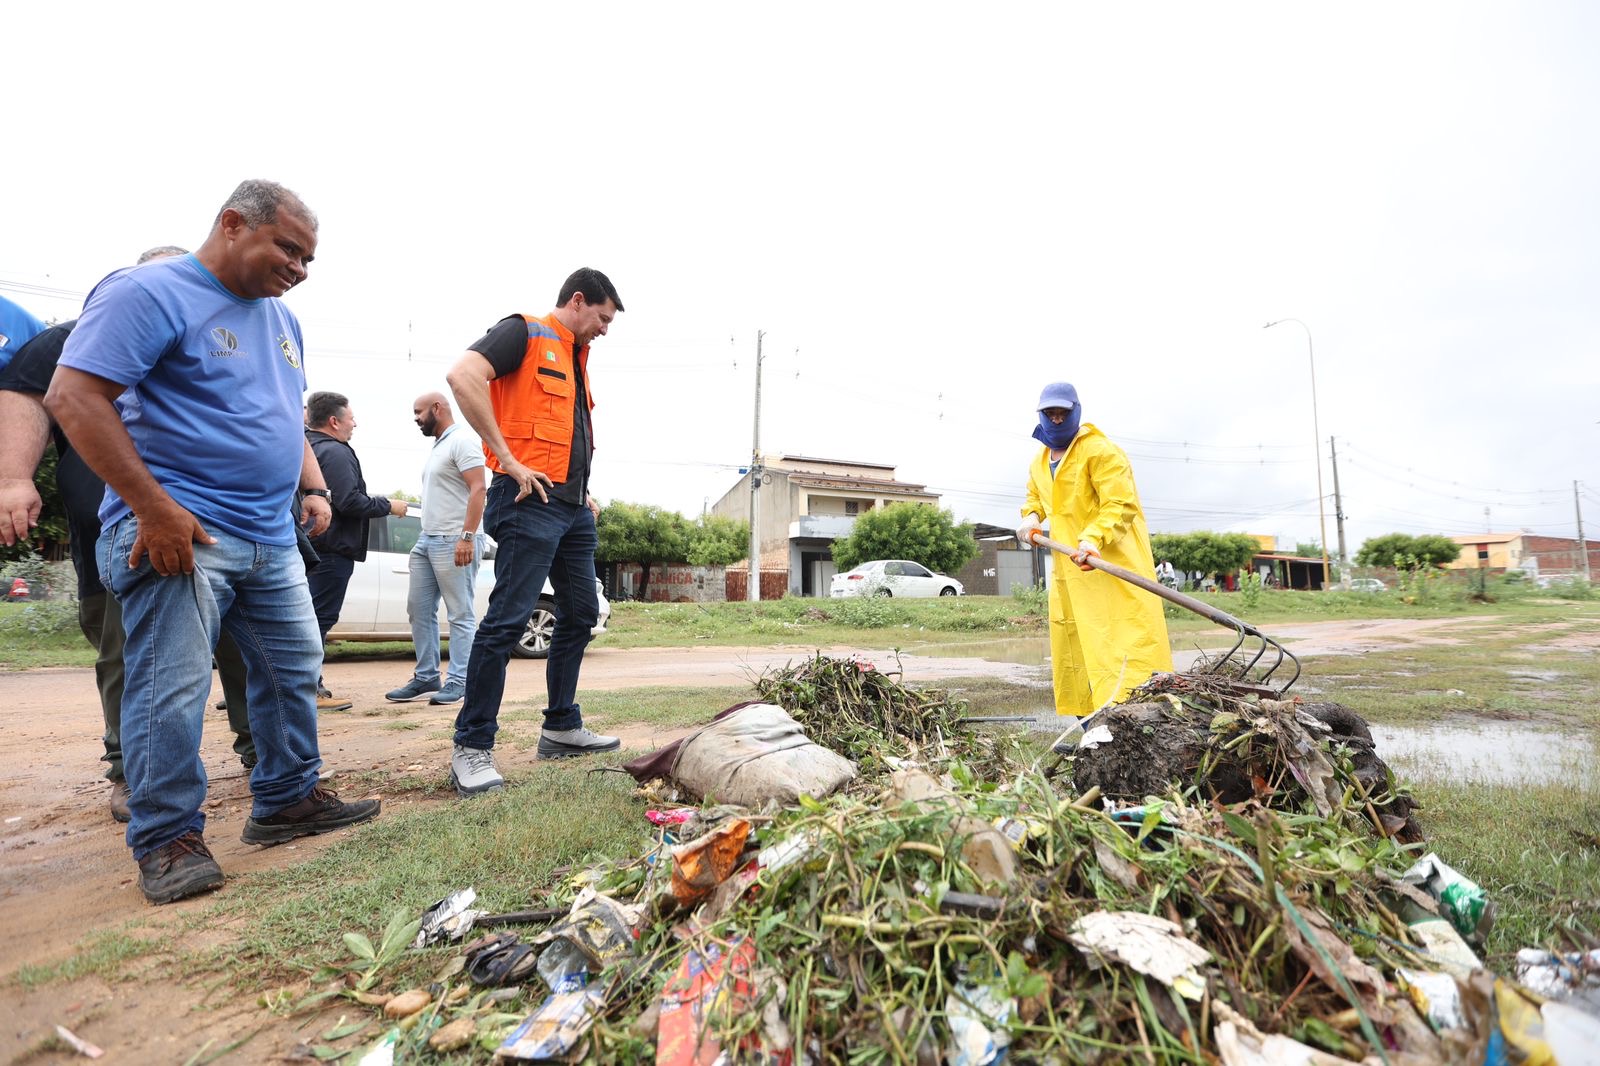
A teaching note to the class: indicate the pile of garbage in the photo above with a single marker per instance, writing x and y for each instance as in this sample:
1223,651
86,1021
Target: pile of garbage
889,887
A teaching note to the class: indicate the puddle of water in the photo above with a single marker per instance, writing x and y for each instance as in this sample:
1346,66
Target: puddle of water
1497,752
1028,651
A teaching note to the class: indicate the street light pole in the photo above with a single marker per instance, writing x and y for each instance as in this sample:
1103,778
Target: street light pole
1316,433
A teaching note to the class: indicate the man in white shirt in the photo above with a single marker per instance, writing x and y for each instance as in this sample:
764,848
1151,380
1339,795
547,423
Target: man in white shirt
444,562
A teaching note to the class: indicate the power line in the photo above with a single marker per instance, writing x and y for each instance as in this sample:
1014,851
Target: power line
1479,492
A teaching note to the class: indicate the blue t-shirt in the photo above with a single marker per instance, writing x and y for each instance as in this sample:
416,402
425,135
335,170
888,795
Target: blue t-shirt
17,328
214,392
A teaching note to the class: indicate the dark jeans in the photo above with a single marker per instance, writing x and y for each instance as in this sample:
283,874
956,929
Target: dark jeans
328,580
535,540
100,619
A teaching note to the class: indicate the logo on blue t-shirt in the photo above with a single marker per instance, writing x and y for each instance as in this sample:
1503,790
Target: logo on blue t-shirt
290,352
229,342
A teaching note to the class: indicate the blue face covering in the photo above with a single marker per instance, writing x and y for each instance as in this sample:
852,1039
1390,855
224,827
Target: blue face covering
1055,436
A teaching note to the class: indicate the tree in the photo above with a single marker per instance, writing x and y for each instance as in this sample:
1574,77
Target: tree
641,533
917,531
717,541
1405,552
1205,552
1308,549
52,527
409,497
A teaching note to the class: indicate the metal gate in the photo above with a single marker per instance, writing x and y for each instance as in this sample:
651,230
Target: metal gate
1013,567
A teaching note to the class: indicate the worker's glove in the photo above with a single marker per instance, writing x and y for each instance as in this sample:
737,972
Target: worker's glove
1081,556
1030,526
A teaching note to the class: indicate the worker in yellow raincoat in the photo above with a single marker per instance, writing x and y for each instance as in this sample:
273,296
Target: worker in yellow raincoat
1106,636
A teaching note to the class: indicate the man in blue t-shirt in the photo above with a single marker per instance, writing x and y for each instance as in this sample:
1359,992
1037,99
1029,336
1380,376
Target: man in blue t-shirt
181,387
17,328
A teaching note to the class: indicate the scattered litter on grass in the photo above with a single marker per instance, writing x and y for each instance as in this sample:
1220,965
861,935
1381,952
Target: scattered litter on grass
959,903
449,919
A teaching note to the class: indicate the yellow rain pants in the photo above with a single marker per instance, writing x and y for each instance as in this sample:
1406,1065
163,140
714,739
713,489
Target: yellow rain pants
1106,636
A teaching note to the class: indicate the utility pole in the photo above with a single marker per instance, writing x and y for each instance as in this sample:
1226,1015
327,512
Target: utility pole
753,589
1338,516
1583,549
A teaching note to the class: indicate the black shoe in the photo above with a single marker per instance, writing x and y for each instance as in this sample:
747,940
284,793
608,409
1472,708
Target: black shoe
320,812
119,801
182,868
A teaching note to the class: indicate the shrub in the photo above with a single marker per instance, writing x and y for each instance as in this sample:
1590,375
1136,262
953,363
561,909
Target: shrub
1035,599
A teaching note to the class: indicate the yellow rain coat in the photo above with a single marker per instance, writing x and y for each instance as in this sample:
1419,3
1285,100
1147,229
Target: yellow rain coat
1106,636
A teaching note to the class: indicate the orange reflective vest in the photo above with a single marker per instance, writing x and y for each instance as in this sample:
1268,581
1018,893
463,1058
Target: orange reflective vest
534,404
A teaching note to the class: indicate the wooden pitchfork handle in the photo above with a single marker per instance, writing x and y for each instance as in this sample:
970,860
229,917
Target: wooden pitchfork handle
1204,610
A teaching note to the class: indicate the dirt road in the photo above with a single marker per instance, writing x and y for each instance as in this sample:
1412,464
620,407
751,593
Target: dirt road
65,873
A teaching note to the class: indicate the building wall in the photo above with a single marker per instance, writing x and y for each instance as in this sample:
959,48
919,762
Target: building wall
1504,553
1559,554
777,507
774,584
675,582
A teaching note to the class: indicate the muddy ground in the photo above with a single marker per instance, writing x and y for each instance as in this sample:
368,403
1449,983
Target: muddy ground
66,874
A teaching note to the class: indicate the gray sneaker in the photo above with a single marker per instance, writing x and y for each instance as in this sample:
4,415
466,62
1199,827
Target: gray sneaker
472,771
570,743
453,692
412,691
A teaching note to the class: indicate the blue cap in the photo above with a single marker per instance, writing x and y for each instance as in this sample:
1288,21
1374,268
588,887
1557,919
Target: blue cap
1059,394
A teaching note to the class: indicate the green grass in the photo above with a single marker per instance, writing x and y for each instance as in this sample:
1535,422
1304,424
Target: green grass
102,954
1504,673
42,634
507,845
1534,848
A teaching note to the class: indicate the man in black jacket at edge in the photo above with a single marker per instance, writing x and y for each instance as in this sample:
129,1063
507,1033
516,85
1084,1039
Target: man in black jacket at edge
329,424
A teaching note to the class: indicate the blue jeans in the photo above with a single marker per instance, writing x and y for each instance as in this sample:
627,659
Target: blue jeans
535,540
434,574
257,593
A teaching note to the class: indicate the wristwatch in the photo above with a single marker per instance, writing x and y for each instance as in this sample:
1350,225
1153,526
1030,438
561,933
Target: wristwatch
324,493
468,535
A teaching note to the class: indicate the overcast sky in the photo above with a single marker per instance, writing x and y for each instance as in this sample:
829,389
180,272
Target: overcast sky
931,209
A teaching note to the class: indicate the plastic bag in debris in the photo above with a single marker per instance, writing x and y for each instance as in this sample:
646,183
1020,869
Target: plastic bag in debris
711,989
1468,907
1146,943
596,932
1436,996
1521,1025
1573,1035
757,754
701,865
1444,946
553,1031
381,1053
977,1018
449,919
1572,976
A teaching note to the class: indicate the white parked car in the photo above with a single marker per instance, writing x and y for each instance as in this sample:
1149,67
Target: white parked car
1367,584
375,601
893,577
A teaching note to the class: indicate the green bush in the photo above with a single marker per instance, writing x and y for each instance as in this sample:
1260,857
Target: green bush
41,619
866,612
1034,599
1572,589
32,569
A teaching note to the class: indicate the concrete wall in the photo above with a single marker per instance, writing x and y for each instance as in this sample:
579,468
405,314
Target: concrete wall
675,582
